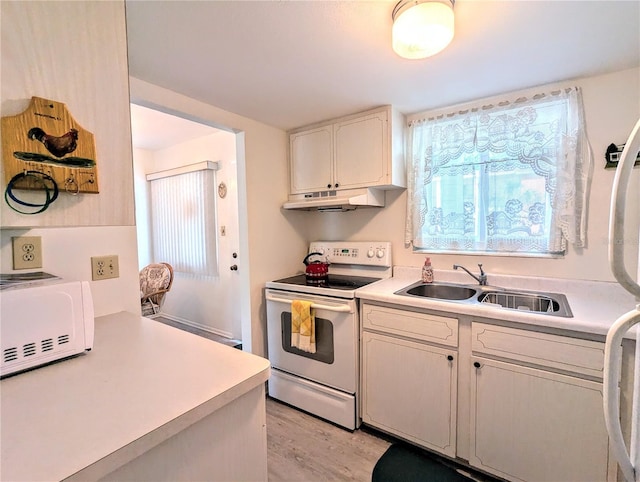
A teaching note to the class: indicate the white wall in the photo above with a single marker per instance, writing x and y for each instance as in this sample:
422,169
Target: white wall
67,252
142,159
75,53
209,303
612,106
275,240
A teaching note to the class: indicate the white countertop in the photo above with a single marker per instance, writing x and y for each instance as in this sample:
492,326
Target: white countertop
142,383
595,305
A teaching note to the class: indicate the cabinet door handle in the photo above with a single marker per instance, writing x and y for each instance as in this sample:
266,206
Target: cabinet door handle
477,364
450,357
234,267
329,186
337,185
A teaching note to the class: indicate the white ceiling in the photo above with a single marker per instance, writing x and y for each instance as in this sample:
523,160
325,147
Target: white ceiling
291,63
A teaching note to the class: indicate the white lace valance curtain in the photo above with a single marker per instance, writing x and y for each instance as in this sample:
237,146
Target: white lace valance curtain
539,140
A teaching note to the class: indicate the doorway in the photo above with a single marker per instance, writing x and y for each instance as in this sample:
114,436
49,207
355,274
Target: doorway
162,142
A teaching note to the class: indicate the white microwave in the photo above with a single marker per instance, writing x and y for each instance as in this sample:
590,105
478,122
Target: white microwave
44,323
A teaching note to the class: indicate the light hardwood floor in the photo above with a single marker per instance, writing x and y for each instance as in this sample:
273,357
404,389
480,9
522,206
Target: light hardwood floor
301,447
304,448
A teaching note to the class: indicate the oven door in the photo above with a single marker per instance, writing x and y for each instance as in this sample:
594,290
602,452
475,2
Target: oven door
336,323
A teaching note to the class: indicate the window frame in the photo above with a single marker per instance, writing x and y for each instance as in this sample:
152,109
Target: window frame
570,101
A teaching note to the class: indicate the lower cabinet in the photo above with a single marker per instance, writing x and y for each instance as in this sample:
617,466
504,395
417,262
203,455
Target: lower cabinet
532,425
409,390
410,375
530,403
536,412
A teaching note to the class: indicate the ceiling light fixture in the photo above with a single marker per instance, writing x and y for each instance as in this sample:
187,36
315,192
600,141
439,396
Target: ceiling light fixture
422,28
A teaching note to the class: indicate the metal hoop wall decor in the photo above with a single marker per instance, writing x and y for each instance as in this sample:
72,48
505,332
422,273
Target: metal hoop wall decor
41,179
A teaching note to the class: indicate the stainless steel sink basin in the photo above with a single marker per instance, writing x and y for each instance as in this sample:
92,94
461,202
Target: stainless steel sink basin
554,304
440,291
547,303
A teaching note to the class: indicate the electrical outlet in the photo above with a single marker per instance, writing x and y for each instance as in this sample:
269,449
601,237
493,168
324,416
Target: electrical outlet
104,267
27,252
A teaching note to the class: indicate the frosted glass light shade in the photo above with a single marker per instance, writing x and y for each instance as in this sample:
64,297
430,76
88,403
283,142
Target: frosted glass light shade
422,29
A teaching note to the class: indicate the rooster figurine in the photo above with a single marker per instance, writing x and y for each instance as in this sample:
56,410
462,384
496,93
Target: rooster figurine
58,146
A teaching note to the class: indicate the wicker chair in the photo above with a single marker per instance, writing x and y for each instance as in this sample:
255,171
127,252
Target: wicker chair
155,282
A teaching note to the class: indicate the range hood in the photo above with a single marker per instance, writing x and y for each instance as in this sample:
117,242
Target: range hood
345,200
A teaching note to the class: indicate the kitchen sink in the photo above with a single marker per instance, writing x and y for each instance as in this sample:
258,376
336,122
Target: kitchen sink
549,303
441,291
554,304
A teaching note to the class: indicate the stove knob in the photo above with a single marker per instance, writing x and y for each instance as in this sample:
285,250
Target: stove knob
380,253
370,253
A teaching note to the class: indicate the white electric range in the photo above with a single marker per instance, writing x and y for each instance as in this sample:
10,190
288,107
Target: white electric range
324,383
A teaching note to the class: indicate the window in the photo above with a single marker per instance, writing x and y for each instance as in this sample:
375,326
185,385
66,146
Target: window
183,220
505,179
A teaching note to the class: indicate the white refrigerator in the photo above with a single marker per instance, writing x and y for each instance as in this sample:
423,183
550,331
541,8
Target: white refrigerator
628,457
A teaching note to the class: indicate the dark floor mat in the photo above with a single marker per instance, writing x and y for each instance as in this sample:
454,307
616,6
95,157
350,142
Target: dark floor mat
404,463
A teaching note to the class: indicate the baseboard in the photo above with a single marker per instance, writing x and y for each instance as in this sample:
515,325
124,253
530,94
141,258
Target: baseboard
193,324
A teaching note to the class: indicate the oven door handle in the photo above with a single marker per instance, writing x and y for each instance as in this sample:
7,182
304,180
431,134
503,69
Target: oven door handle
317,306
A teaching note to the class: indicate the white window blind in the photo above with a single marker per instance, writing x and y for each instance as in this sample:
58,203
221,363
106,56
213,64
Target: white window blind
183,221
500,179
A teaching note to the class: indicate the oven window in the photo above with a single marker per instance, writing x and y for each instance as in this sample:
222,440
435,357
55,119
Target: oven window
324,339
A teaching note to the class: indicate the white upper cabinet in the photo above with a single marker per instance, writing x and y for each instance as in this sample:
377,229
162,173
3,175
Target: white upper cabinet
359,151
360,148
313,155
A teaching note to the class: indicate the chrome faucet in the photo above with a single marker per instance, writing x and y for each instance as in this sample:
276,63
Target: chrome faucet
482,279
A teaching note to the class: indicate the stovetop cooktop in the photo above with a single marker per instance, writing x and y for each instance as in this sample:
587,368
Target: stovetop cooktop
334,281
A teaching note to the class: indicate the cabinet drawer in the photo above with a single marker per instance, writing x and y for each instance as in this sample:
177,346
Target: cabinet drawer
422,326
554,351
